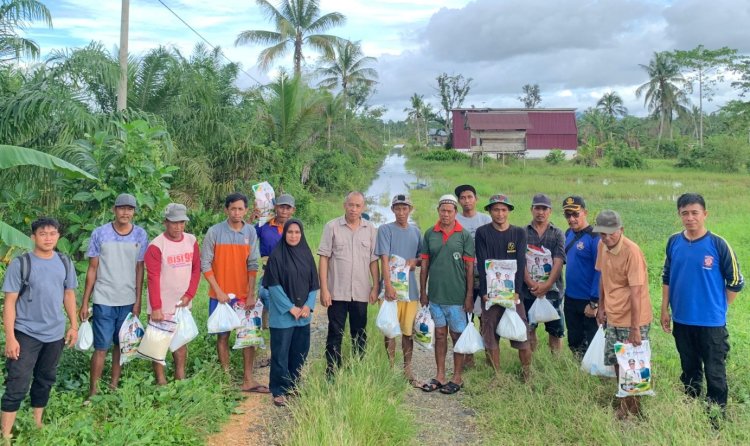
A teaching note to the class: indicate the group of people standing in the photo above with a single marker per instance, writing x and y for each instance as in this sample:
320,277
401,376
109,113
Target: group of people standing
606,282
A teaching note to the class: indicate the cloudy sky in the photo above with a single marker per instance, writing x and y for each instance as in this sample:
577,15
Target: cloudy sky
576,50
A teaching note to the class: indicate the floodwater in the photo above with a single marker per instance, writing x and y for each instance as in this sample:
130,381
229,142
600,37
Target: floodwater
392,178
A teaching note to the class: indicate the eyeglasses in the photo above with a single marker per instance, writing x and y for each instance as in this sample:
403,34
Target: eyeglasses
572,214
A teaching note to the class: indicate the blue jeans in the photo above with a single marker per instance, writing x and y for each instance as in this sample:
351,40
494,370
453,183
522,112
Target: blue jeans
289,347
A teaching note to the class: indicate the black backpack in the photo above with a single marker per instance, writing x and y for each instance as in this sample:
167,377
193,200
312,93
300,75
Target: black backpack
25,260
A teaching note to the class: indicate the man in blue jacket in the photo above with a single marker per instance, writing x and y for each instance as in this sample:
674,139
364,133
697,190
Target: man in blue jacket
701,278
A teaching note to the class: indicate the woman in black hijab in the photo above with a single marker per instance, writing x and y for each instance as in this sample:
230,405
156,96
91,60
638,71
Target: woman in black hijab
292,282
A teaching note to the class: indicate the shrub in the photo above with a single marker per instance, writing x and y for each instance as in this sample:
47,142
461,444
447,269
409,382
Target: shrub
727,153
555,156
624,157
442,155
586,154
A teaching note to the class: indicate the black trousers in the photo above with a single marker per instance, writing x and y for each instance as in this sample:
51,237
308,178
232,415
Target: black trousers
38,360
703,350
581,329
337,313
289,348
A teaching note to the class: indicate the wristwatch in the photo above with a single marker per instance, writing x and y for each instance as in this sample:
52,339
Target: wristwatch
594,305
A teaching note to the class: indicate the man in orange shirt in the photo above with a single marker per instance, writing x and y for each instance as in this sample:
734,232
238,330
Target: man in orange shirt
229,261
623,294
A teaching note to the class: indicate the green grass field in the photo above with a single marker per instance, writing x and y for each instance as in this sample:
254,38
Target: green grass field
564,405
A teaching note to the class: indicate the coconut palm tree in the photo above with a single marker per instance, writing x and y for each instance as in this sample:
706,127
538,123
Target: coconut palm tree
298,23
17,15
664,92
611,105
416,114
348,67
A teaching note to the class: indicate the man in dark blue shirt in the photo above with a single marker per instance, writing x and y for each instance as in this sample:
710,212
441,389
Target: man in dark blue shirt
701,278
581,278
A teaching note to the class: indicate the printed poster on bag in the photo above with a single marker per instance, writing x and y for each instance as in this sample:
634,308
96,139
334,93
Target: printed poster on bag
399,275
635,369
501,283
250,334
264,200
539,264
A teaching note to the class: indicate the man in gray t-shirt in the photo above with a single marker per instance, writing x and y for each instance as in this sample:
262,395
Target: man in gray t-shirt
471,220
115,281
37,286
404,240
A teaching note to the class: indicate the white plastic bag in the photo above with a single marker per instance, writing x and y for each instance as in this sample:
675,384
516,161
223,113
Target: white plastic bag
593,360
223,319
187,329
130,336
155,342
387,320
250,333
85,337
542,310
511,326
424,328
635,369
470,340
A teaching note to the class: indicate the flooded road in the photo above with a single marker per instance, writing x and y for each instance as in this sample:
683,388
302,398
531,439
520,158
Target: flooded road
392,178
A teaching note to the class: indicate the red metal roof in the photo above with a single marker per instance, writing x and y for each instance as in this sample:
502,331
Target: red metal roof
543,123
498,121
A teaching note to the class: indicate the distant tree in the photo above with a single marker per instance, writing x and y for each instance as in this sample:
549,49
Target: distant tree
16,15
347,68
452,91
298,23
419,113
705,68
611,105
531,96
664,92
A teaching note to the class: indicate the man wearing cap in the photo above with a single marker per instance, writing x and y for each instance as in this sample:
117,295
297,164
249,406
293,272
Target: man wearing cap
701,278
349,277
229,262
174,270
402,239
269,235
502,241
448,262
543,234
114,281
624,302
581,278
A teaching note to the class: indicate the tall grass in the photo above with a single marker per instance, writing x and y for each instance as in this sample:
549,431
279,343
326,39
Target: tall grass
362,405
563,405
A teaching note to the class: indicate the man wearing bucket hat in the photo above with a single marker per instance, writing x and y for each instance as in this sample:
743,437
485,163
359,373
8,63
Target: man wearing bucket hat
402,239
173,263
114,281
448,263
500,240
623,294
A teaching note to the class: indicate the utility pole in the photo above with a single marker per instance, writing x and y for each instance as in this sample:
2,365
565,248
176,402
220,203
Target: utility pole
122,90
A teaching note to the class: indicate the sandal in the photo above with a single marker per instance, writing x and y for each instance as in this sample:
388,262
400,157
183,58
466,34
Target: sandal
279,401
432,386
451,388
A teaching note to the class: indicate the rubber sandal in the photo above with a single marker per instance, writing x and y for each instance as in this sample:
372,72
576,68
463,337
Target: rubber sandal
260,388
451,388
432,386
279,401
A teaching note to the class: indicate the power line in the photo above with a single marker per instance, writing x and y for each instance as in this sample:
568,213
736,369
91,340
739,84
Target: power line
207,42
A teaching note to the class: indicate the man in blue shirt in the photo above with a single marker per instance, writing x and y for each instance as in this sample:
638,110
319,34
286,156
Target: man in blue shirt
37,287
701,278
581,278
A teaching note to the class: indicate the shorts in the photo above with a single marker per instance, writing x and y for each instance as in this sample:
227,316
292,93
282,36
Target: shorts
453,316
407,312
106,322
490,321
553,328
213,303
613,335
